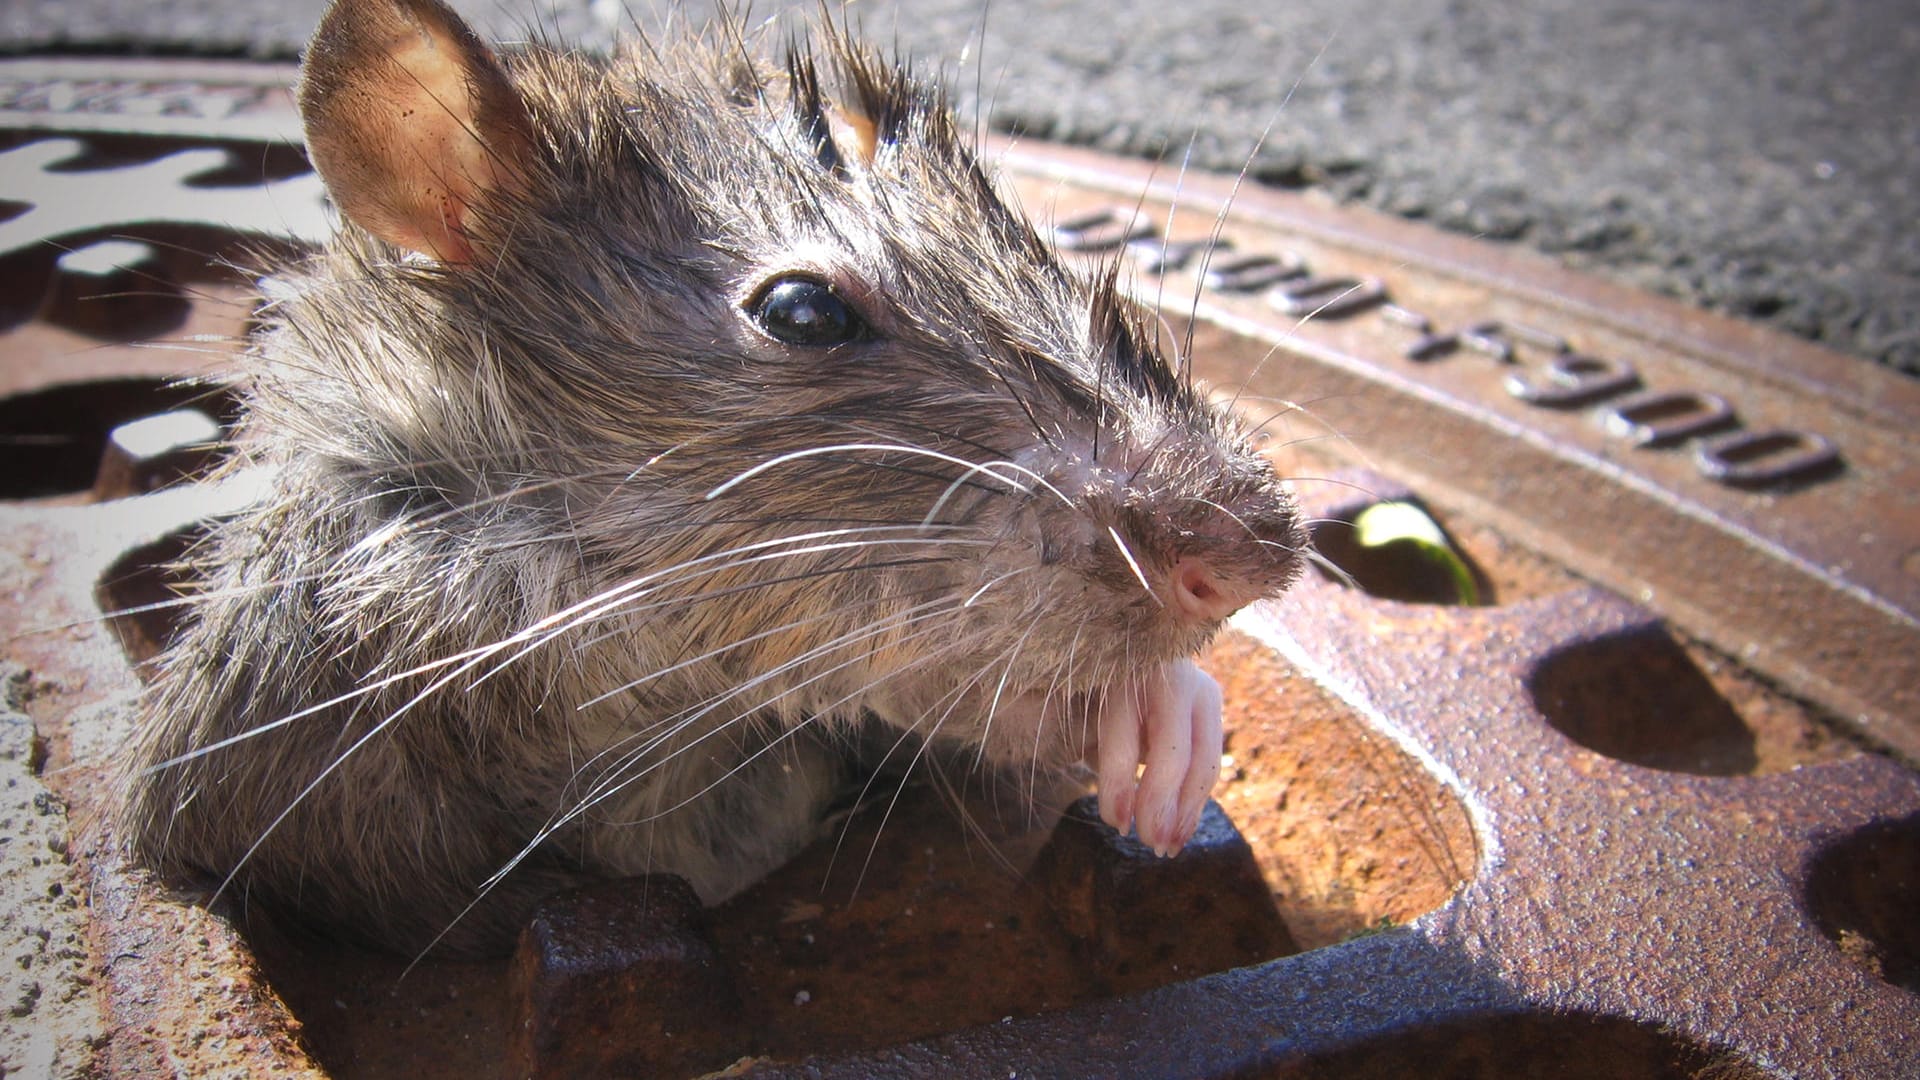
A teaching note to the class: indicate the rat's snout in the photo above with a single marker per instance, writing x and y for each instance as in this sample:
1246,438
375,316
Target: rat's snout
1213,577
1183,534
1200,593
1220,555
1241,540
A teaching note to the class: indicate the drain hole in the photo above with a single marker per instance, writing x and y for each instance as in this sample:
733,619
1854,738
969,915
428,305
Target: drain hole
140,594
51,440
250,165
25,279
1864,891
1396,550
1638,697
115,289
1578,1047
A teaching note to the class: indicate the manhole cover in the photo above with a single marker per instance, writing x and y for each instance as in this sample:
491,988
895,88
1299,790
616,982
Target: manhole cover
1640,811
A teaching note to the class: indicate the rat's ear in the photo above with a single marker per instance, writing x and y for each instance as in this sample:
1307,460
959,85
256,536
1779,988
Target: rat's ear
410,121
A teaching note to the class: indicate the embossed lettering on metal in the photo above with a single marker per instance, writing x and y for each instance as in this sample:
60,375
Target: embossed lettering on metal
1762,458
1328,297
1432,347
1660,418
1572,380
1525,334
1252,273
1485,339
1406,317
1102,230
1156,255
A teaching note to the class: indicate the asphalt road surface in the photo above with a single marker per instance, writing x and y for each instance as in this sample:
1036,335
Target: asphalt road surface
1759,157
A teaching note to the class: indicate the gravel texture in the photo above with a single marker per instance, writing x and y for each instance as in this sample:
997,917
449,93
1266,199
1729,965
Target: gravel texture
1759,158
49,1017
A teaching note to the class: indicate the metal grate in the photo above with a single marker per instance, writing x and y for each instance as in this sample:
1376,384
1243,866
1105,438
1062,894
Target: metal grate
1624,837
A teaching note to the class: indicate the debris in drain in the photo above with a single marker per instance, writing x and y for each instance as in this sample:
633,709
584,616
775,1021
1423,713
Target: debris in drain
1139,920
1398,524
1385,541
621,978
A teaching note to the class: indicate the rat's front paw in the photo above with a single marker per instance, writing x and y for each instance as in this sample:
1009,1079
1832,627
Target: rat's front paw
1168,719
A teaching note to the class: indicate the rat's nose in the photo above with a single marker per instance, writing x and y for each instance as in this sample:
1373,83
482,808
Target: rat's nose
1203,595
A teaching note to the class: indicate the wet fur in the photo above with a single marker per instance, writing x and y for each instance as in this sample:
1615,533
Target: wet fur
488,621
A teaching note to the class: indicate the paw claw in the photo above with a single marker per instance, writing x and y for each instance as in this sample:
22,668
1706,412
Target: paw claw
1167,720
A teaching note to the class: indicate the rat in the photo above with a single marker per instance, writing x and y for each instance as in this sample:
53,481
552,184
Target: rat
655,422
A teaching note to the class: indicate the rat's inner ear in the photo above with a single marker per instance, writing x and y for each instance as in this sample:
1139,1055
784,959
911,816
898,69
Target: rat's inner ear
854,133
410,121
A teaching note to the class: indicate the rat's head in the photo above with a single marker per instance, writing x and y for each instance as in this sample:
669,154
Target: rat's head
773,342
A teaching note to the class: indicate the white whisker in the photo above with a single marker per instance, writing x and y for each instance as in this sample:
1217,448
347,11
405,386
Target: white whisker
971,467
693,713
1133,564
981,591
612,785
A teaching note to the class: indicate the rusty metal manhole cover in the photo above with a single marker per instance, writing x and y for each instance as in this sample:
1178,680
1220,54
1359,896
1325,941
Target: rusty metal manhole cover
1647,811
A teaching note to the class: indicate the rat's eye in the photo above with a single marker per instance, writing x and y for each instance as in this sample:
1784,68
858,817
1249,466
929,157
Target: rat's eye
805,311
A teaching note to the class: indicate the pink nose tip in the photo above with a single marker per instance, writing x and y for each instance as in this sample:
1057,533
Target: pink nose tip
1202,595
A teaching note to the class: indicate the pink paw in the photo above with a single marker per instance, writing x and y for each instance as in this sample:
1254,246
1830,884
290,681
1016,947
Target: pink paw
1168,719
